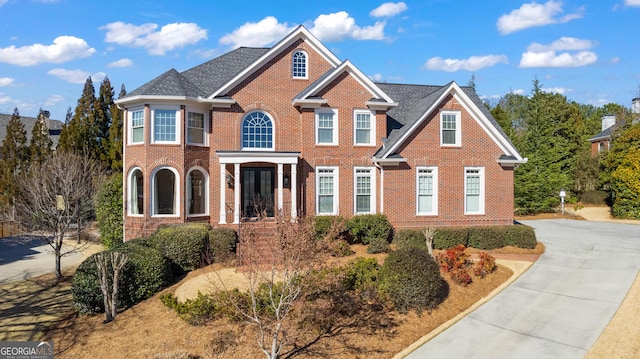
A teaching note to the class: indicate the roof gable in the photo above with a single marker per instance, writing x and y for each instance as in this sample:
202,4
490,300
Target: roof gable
299,33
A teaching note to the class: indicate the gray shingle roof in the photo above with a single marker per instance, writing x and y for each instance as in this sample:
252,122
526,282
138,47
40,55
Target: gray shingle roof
603,135
29,122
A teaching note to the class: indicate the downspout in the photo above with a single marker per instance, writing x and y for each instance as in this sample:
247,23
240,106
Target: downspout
381,186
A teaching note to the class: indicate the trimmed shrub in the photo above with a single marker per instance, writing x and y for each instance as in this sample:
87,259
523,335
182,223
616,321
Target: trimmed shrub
485,265
455,261
184,245
411,279
489,237
366,227
378,245
145,273
329,225
195,311
362,275
222,244
521,236
450,237
109,211
410,238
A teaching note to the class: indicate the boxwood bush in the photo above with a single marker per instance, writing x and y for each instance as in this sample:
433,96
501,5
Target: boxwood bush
488,237
446,238
378,245
409,238
366,227
521,236
184,245
222,244
147,271
324,224
411,279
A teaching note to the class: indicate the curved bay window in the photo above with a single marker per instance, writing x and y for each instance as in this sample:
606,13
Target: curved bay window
196,193
164,192
257,131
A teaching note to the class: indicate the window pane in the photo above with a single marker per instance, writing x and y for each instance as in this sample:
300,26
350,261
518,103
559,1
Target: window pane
363,193
299,64
473,191
165,192
363,204
425,204
137,135
195,128
448,137
325,136
449,129
257,131
164,123
196,194
325,191
473,203
325,127
137,126
363,136
137,193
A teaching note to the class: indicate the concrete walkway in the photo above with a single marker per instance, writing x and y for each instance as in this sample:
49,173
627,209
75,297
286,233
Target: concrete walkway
560,306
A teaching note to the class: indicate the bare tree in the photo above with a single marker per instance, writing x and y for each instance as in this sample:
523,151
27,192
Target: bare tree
54,196
429,233
109,283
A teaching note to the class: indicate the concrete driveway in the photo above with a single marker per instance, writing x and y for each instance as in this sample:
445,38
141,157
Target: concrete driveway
560,306
23,257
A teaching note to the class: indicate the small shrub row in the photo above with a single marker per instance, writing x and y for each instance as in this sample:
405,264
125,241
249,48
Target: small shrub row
194,311
455,261
222,244
367,227
487,237
185,245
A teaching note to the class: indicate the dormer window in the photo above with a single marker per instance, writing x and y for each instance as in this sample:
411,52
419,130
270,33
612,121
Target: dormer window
299,65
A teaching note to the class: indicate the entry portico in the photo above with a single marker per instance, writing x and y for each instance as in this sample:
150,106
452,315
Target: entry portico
239,158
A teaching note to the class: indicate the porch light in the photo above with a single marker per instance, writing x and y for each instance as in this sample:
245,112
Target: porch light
230,180
563,194
285,181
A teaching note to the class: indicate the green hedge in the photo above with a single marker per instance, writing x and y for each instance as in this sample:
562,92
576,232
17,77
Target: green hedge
409,238
366,227
184,245
323,224
520,236
411,279
222,244
446,238
147,271
482,237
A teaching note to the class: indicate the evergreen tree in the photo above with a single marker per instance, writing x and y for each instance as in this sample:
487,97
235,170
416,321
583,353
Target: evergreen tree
80,133
103,119
622,171
15,157
115,134
41,145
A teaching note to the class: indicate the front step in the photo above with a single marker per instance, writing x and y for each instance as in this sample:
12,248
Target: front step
258,244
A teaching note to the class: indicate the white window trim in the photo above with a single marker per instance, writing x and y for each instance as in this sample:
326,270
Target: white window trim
372,129
372,175
205,129
306,65
336,190
481,200
152,200
129,193
130,126
206,192
333,111
458,116
177,125
273,132
434,174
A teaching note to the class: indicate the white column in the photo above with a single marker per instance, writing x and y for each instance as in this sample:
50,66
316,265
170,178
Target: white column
294,191
223,204
280,178
236,193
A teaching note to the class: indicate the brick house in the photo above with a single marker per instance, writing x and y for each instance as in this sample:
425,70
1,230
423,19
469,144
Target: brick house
292,129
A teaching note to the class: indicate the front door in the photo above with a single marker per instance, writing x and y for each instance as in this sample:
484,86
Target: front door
257,191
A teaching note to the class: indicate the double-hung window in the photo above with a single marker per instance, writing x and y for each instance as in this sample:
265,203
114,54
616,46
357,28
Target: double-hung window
165,126
327,190
136,135
326,126
474,190
195,128
364,127
364,190
427,191
450,134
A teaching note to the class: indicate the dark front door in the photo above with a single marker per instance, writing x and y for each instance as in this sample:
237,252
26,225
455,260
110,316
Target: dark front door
257,191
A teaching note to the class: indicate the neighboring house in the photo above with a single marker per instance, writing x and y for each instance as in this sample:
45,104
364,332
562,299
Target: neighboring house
54,126
292,129
602,141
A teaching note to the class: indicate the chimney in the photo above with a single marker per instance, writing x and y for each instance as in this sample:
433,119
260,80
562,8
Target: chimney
608,121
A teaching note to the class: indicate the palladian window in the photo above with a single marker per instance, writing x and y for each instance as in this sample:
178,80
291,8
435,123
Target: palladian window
257,131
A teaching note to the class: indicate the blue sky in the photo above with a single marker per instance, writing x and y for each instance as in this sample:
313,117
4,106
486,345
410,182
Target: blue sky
585,49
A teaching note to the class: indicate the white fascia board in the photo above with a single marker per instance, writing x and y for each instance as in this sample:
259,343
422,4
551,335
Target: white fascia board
309,103
224,103
300,32
388,161
247,156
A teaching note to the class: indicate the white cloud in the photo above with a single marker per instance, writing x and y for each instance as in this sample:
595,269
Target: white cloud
534,14
632,2
473,63
53,100
168,38
6,81
64,48
539,55
388,9
2,2
339,26
375,77
121,63
518,92
560,90
4,98
257,34
76,76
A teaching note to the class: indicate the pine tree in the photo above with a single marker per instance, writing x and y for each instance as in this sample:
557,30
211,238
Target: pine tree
80,132
15,157
41,145
103,119
115,135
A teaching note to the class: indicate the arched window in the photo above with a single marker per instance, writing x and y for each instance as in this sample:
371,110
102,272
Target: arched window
164,191
257,131
299,65
196,192
136,192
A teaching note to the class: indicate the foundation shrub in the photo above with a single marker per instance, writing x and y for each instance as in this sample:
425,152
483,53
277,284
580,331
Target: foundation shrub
362,276
329,226
195,311
409,238
520,236
450,237
486,264
366,227
184,245
455,261
147,271
378,245
410,279
487,237
222,244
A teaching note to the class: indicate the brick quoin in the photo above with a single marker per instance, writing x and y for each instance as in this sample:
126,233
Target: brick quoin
271,88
